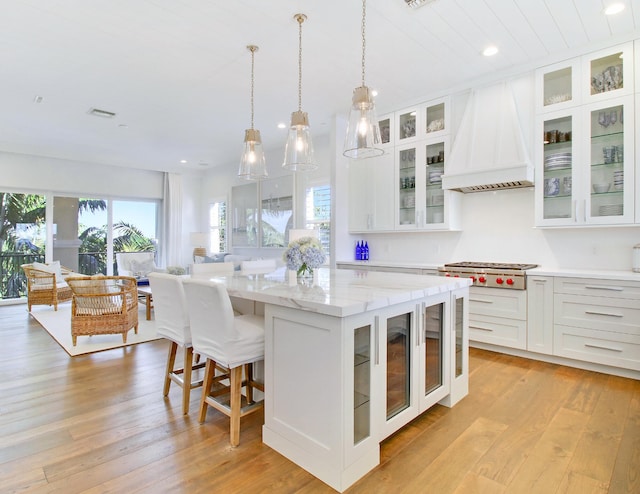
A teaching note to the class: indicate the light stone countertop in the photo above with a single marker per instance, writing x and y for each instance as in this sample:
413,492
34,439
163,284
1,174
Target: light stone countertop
609,274
338,292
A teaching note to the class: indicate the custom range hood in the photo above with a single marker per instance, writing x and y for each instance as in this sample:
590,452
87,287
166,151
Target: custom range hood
489,151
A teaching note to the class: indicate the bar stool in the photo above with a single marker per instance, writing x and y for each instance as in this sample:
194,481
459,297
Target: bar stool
172,323
229,343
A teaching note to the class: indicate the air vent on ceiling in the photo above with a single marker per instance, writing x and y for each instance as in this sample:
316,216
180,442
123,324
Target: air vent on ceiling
414,4
101,113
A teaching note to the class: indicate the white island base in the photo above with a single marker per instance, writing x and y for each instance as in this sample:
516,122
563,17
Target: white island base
342,375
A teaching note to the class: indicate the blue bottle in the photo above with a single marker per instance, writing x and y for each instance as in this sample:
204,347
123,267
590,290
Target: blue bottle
358,251
366,251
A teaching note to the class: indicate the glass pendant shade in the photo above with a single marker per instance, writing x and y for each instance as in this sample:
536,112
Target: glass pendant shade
252,161
298,152
363,132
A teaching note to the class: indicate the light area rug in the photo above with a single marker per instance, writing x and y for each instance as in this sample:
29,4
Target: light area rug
58,325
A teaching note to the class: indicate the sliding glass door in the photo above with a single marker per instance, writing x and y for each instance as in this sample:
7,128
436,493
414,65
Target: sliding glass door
85,233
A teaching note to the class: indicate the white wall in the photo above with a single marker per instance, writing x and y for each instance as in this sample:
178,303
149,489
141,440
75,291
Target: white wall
499,227
37,174
40,174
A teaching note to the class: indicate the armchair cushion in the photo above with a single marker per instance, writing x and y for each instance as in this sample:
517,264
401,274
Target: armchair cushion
142,269
53,267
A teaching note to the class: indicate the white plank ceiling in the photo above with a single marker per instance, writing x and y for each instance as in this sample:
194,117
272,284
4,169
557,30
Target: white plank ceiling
177,72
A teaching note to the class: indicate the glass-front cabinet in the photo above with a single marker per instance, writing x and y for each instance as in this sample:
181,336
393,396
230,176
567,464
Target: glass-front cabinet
608,73
409,186
436,117
408,125
610,159
421,201
362,384
555,179
585,173
585,134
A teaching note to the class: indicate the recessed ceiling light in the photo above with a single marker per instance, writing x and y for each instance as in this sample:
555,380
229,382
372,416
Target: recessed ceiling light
183,161
614,8
489,51
282,125
374,92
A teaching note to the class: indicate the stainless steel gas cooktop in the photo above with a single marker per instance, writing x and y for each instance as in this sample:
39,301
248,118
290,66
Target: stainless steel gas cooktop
489,274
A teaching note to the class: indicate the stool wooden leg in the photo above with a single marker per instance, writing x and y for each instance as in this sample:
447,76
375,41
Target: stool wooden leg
236,388
186,379
209,373
171,359
249,387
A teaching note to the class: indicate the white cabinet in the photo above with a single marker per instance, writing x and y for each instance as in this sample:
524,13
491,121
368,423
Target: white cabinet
585,158
540,314
498,317
585,165
597,321
371,195
422,204
608,73
402,189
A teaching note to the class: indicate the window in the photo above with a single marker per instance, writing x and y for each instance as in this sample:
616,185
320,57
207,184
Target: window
218,227
318,213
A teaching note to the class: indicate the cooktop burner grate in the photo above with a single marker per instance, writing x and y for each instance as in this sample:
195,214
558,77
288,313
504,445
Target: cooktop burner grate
490,265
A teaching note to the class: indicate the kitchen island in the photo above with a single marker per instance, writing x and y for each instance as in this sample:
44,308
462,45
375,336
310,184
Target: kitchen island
352,357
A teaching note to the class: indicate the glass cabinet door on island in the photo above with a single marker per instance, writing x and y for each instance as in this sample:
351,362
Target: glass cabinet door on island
362,384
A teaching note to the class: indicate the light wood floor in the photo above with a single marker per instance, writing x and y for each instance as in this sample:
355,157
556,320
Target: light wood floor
99,424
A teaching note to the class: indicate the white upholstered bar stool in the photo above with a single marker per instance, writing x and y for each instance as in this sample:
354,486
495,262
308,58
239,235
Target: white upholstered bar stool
172,323
228,342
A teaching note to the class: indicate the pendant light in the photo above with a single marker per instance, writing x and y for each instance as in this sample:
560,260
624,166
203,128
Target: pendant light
252,162
363,133
298,152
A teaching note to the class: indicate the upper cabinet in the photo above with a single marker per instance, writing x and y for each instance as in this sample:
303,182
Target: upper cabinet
591,78
608,73
416,142
585,158
558,86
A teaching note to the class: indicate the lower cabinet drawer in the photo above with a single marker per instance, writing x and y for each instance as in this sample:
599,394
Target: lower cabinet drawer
598,313
597,346
501,331
498,302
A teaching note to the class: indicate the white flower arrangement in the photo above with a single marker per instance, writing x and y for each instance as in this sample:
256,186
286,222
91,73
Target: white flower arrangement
304,255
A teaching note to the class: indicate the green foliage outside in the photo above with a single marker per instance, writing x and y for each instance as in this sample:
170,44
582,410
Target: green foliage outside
17,210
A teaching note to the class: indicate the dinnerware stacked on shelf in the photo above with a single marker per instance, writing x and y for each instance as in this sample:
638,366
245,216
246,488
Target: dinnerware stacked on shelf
557,161
618,179
610,210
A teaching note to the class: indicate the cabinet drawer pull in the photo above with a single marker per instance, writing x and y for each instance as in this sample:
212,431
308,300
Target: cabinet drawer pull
596,313
484,301
603,347
611,288
481,328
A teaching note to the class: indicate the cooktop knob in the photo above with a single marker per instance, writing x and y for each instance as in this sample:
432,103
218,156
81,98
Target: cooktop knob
482,279
499,281
509,281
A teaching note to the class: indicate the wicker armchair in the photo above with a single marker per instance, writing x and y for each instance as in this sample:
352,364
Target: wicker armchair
46,287
103,305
